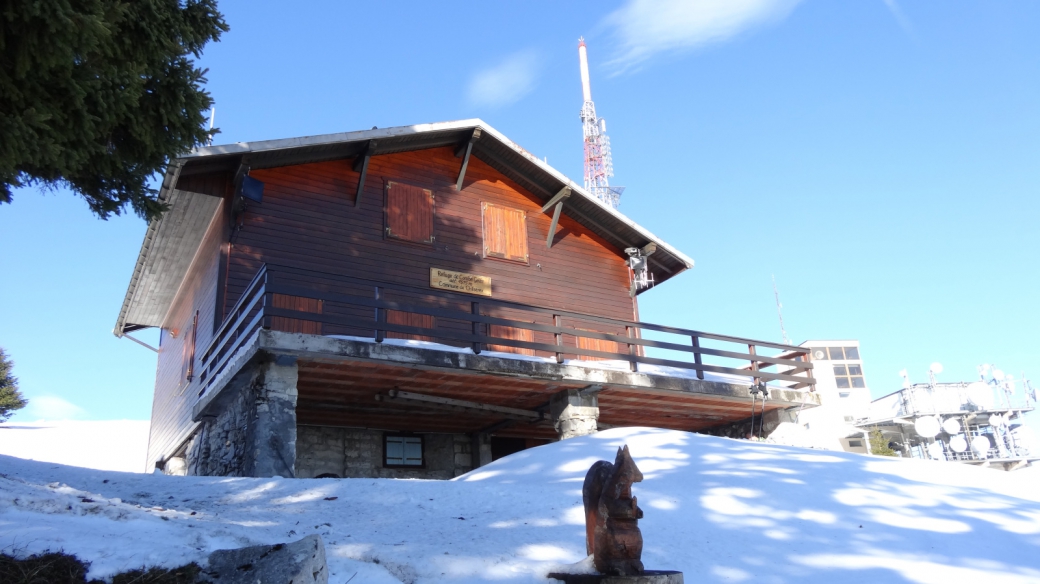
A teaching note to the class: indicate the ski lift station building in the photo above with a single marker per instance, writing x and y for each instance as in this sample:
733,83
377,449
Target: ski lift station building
412,302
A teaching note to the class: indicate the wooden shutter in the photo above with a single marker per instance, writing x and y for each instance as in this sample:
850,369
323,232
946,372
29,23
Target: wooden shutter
512,333
189,349
505,232
409,319
596,345
409,213
295,325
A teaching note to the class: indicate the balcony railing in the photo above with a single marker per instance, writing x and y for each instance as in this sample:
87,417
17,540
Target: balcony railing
295,300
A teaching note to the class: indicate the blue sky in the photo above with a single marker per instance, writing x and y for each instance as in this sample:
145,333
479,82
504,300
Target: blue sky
878,158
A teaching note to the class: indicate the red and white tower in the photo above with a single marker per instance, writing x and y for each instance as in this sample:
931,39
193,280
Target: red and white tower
598,165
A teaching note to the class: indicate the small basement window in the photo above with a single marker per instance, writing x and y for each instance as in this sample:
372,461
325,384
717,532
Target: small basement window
403,450
505,232
855,444
409,213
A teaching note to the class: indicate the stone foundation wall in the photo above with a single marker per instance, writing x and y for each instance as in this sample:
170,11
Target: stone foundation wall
253,433
218,448
742,429
358,453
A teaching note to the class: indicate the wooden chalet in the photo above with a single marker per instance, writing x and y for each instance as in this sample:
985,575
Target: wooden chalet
411,301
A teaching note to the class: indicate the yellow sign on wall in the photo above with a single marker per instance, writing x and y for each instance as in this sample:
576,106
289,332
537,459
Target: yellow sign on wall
460,282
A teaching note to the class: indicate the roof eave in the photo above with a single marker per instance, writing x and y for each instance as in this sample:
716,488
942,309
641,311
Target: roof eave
169,181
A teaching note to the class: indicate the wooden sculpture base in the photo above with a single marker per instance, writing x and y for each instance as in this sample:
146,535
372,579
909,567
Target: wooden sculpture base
647,577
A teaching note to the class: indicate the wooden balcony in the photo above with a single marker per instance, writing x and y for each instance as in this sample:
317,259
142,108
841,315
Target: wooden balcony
362,343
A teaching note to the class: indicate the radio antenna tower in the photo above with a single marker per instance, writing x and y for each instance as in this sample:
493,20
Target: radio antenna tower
779,313
598,165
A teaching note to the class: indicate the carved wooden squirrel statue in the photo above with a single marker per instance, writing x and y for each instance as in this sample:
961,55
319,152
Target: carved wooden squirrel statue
612,535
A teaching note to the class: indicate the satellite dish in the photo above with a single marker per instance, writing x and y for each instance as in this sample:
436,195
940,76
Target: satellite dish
980,444
980,394
935,450
958,443
936,368
996,420
927,427
951,426
998,375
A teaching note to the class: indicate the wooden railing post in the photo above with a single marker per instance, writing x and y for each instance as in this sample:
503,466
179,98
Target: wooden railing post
380,316
557,322
697,355
754,363
267,303
475,310
632,365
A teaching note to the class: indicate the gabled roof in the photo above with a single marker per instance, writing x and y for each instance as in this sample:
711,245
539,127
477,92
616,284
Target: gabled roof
171,242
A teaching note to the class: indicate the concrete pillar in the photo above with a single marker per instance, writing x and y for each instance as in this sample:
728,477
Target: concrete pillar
271,446
574,414
480,449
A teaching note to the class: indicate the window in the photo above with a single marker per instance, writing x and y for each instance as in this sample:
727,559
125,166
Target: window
403,450
409,213
298,304
848,376
844,394
855,444
505,232
835,353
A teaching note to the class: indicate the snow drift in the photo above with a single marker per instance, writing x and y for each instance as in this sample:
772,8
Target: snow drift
720,510
105,445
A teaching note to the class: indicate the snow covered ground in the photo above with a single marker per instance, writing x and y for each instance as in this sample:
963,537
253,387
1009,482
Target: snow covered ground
105,445
720,510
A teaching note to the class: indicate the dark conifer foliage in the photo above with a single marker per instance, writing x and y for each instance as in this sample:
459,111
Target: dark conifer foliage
98,95
10,398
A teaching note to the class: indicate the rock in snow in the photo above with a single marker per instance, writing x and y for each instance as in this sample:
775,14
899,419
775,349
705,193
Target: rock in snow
300,562
719,510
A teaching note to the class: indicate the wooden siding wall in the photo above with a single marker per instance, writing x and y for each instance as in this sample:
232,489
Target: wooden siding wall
174,396
308,220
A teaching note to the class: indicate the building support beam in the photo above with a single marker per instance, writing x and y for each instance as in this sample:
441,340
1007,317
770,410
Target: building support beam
274,431
407,397
251,431
361,165
557,202
464,150
574,414
480,449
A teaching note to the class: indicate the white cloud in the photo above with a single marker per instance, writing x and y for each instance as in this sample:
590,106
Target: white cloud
900,16
506,82
51,407
649,27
